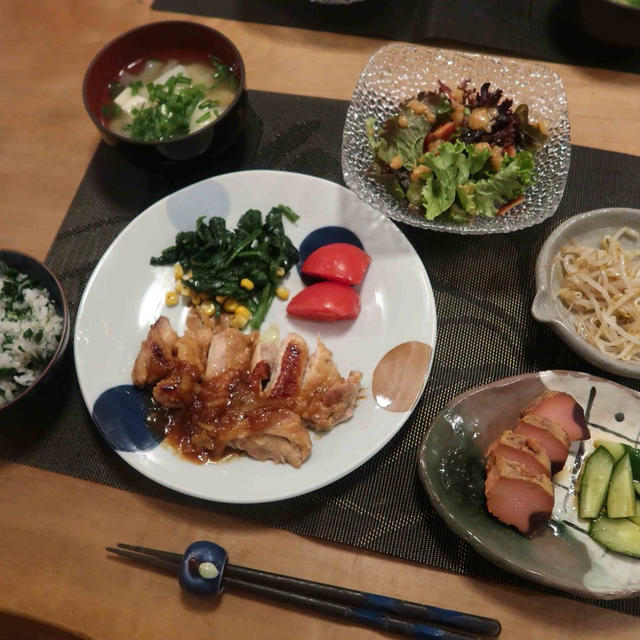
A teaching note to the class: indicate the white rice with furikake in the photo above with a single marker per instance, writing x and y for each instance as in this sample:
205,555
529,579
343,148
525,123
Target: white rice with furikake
30,330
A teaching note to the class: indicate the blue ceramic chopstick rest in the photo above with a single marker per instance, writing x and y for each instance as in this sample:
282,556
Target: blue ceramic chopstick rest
203,564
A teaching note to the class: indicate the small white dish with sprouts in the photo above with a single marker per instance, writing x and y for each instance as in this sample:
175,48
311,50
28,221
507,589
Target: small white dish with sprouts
588,287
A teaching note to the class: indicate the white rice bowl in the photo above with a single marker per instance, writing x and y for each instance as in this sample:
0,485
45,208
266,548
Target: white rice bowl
30,329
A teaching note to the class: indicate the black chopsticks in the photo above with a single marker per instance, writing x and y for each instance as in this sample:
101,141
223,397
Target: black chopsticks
368,609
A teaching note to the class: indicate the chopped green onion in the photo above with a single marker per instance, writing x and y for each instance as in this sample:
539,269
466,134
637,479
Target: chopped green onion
222,74
135,87
170,112
209,104
111,110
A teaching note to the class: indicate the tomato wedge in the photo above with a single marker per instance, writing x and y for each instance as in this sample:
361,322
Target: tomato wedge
339,261
325,301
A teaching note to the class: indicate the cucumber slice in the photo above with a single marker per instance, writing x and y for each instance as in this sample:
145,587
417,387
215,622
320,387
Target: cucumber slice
616,449
619,535
621,499
634,457
595,482
636,518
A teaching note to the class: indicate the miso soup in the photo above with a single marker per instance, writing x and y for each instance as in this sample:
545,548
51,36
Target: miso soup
168,95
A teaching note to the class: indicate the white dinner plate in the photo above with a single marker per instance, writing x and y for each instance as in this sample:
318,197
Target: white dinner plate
125,295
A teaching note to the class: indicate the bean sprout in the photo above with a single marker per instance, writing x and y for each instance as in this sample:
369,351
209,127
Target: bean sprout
600,287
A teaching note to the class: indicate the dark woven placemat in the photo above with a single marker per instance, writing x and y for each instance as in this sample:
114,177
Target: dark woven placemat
483,288
541,29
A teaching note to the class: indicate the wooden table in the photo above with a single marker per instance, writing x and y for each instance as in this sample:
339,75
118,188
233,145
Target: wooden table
55,579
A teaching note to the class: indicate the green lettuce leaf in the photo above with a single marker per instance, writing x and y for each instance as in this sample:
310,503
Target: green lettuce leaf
388,180
471,162
438,104
484,196
439,191
534,138
459,215
405,142
414,193
451,166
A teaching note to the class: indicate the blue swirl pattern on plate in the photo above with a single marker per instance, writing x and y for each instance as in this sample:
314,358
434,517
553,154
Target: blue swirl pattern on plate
121,416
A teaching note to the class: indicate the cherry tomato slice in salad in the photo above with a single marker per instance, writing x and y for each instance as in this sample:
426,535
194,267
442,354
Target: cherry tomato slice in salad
325,301
339,261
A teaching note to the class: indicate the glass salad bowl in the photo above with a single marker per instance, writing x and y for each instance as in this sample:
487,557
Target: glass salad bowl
397,72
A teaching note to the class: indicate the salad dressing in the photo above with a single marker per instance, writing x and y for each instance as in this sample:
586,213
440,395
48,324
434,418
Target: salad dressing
482,118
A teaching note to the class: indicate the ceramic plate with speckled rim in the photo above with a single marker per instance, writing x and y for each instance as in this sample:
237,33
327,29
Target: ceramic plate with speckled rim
125,295
561,555
399,71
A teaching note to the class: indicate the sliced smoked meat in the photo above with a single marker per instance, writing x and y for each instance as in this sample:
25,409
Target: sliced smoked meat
518,448
562,409
517,496
547,434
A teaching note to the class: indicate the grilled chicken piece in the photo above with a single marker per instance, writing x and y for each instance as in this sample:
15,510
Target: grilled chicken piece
274,434
155,358
181,386
230,350
201,328
286,376
517,496
326,398
548,435
563,410
265,352
232,392
517,448
263,362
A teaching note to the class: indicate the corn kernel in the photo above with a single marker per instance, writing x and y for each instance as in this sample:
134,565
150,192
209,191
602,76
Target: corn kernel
220,299
196,299
171,298
183,290
247,284
178,271
208,308
280,272
282,293
242,311
238,322
230,305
